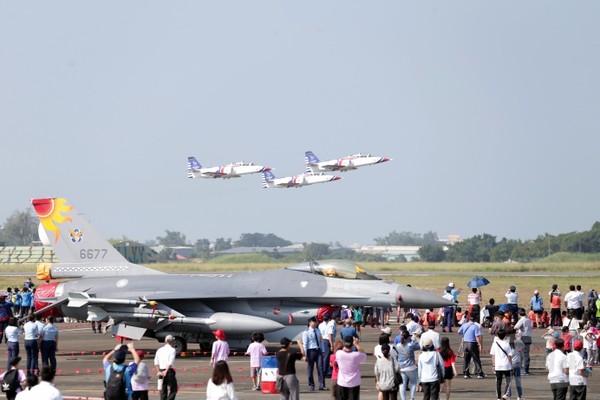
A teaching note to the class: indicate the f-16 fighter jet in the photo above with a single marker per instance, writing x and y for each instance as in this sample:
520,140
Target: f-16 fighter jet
98,284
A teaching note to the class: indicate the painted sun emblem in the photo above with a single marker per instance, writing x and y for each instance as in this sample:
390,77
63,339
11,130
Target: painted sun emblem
76,235
50,213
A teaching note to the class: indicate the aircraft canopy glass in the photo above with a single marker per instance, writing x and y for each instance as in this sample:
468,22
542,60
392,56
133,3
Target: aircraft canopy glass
335,269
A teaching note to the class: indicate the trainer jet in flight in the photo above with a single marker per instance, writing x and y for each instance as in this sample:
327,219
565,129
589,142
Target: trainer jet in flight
233,170
98,284
269,180
315,166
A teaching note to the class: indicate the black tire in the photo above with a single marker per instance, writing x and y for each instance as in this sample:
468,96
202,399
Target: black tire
179,344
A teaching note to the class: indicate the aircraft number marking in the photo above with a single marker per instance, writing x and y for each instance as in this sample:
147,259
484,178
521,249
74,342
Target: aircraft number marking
92,254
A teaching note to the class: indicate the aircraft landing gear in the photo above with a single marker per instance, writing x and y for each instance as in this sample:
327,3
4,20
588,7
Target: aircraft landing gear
179,344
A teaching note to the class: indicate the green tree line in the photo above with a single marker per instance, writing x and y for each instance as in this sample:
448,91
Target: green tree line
487,248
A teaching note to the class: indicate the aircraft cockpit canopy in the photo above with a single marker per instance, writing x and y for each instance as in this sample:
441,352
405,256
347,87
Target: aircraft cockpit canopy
335,269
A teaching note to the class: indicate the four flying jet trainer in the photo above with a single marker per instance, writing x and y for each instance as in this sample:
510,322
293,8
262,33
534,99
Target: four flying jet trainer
138,301
233,170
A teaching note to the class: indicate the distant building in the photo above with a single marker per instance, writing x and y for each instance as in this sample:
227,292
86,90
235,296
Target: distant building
452,239
293,248
390,253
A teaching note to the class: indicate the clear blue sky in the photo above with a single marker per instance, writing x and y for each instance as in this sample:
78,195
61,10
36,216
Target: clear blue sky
490,111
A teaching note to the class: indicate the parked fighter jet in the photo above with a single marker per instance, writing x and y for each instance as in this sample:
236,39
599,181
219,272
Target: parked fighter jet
139,301
314,165
269,180
233,170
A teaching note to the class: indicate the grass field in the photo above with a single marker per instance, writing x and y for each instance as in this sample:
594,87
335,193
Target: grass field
429,276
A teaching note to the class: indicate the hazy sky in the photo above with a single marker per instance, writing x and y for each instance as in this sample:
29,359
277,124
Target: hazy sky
490,110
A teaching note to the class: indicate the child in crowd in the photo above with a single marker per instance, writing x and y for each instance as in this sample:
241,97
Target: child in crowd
549,338
567,338
220,348
590,346
256,350
460,316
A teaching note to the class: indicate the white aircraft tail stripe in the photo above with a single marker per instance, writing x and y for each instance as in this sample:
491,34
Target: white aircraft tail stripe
310,160
193,166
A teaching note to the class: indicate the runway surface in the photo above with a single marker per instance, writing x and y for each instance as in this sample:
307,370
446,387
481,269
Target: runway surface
80,354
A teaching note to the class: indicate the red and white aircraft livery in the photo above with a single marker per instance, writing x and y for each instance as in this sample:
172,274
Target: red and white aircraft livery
315,166
234,170
271,181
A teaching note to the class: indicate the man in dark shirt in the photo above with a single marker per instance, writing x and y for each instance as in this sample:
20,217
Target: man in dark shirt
286,362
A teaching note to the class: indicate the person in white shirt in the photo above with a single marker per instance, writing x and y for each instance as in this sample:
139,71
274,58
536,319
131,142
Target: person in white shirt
558,369
11,335
430,333
572,323
220,386
328,330
512,299
430,362
590,345
501,353
412,326
581,297
578,373
572,301
31,344
45,390
474,298
164,361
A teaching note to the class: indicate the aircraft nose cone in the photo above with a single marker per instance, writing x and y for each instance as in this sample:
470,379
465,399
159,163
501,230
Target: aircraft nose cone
410,297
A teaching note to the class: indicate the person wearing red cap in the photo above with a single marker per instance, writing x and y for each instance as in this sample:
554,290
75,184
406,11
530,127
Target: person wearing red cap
140,378
578,373
220,348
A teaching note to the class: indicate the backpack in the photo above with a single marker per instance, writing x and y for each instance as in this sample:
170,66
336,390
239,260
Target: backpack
10,381
115,386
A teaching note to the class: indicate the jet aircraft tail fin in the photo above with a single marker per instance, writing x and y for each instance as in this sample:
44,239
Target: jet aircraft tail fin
267,177
79,247
310,159
193,166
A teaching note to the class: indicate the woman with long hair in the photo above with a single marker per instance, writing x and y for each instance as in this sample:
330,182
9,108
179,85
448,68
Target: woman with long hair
386,369
339,345
220,386
408,368
449,365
